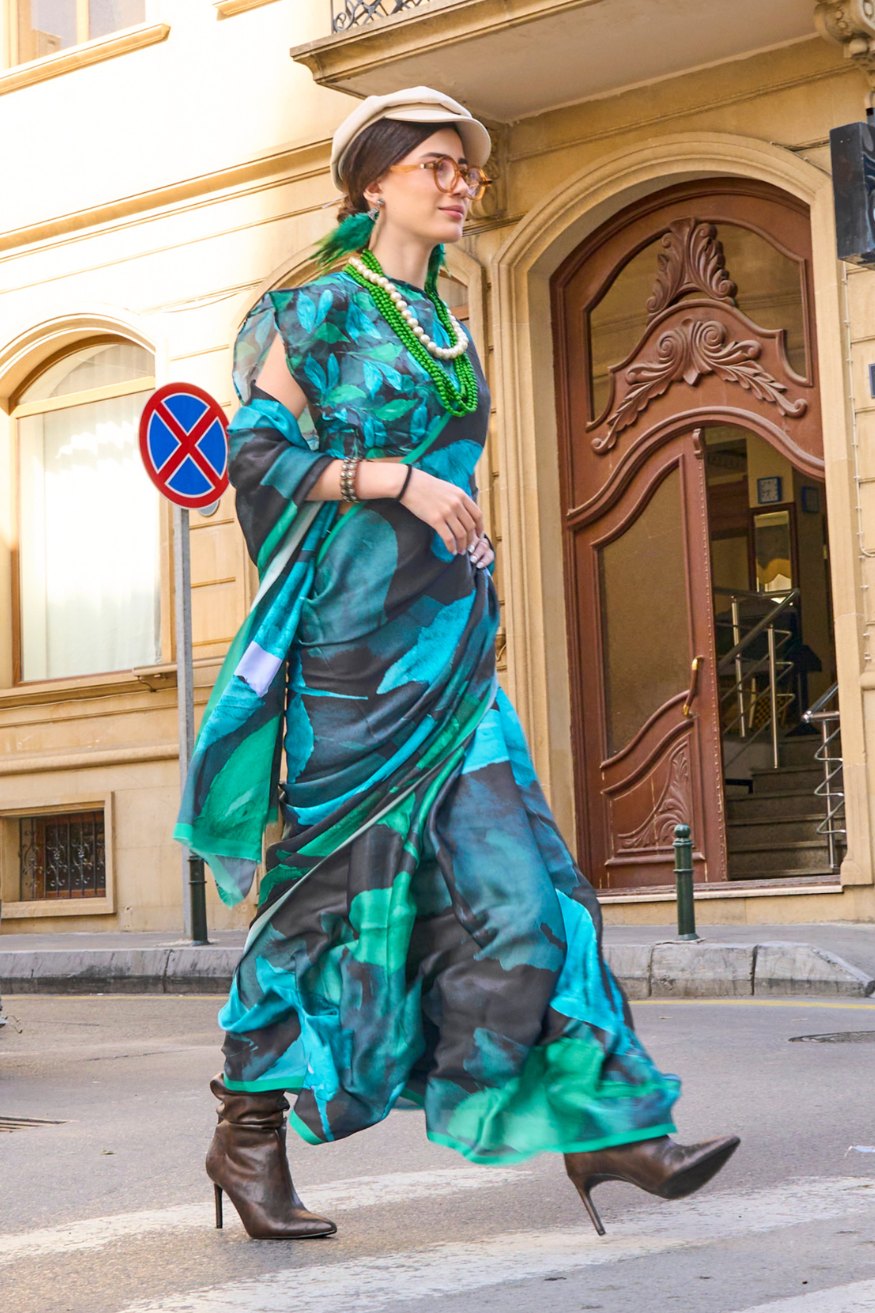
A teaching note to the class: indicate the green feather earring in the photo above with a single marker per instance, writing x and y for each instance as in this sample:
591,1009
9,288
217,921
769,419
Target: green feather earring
436,262
354,233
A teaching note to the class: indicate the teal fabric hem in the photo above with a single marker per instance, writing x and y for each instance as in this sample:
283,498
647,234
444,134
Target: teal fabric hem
471,1154
304,1131
574,1146
205,844
258,1087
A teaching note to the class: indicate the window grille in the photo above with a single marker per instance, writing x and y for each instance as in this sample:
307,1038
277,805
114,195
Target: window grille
62,856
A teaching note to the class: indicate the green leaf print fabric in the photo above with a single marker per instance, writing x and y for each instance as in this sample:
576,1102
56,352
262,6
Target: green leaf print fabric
422,930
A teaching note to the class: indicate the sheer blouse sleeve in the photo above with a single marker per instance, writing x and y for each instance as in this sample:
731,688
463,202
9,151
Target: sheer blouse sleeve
274,459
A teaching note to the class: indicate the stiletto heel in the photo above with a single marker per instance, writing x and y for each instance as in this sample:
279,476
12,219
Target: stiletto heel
218,1193
659,1166
590,1207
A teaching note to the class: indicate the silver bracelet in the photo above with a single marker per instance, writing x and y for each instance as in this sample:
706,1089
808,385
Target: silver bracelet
348,477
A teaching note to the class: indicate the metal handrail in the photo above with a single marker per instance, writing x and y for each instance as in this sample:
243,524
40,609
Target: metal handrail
779,674
823,701
830,789
755,594
745,668
759,627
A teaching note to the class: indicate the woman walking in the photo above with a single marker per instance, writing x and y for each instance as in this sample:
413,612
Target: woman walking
422,929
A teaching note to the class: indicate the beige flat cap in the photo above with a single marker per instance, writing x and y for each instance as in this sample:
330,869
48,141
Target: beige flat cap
412,105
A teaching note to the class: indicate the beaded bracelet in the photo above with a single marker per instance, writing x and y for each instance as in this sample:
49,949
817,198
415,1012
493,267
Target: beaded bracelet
347,478
407,479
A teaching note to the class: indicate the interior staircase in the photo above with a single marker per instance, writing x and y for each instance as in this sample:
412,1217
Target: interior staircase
772,830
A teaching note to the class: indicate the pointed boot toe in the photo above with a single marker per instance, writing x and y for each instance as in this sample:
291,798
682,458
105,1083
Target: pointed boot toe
313,1227
299,1224
703,1161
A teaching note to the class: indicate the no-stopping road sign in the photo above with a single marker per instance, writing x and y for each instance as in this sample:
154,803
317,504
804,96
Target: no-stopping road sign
184,445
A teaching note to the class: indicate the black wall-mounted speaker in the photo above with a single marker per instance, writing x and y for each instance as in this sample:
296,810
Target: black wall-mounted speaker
853,183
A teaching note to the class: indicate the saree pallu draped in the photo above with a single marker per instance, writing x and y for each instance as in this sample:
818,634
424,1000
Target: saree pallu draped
422,929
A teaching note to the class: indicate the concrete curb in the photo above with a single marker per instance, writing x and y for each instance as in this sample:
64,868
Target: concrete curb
811,970
703,969
667,969
183,969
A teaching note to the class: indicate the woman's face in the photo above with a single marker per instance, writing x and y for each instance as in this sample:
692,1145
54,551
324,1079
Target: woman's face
414,205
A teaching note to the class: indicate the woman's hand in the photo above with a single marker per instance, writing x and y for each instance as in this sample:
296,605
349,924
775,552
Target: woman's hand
481,553
453,515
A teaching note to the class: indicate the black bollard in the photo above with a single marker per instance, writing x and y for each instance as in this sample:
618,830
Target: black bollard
197,889
683,870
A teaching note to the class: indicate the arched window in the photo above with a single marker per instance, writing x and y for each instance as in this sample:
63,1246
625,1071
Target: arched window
88,567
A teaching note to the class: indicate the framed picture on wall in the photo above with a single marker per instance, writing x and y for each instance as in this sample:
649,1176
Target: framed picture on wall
809,496
774,552
770,490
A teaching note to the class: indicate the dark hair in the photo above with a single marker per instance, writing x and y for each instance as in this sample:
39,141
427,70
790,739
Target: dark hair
372,153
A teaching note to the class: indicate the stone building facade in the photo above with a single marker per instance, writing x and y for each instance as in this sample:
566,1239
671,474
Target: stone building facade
680,455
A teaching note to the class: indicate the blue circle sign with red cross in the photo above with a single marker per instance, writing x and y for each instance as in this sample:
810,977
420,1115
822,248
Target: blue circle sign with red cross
184,445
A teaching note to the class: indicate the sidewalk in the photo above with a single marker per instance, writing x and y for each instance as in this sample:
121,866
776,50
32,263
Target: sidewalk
834,958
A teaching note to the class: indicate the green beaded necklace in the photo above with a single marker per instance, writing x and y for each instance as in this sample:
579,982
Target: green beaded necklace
458,400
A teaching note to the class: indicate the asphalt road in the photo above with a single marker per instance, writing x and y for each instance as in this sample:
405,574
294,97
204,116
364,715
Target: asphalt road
108,1211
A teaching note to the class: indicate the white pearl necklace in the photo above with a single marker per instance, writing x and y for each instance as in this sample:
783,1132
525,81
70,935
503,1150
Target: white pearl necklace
440,352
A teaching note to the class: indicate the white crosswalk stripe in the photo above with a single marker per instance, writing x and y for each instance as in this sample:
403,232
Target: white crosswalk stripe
445,1270
362,1192
859,1297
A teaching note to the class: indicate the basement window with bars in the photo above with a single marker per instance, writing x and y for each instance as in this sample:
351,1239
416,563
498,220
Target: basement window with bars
62,855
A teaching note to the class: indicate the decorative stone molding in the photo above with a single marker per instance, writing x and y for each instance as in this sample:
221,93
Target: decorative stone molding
90,52
493,203
290,164
850,24
843,20
229,8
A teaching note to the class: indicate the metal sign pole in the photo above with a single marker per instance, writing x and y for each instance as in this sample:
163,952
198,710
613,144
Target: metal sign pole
184,448
193,881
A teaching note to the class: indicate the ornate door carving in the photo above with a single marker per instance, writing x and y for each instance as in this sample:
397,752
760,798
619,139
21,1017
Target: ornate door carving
657,336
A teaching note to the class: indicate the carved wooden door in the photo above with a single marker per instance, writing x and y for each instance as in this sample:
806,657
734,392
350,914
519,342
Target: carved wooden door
657,753
658,337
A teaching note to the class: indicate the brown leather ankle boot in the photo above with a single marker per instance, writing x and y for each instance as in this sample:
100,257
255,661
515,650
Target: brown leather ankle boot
247,1159
660,1166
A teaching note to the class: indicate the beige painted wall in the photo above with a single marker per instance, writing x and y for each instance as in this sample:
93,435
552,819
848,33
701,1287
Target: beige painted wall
166,224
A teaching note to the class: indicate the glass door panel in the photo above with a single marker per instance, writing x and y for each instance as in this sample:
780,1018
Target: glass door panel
642,586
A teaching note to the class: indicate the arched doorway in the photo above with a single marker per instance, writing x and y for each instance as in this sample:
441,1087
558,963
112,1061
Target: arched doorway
691,461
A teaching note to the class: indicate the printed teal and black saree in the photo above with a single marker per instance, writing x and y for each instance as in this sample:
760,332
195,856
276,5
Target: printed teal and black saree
423,931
